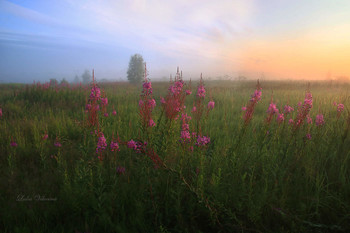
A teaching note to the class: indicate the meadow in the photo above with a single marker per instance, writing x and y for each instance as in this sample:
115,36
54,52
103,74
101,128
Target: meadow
180,156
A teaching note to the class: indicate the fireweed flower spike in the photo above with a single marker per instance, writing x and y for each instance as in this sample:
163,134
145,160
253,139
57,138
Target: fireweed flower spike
13,144
101,143
57,143
255,98
288,109
120,170
271,111
319,120
146,103
45,137
211,105
303,111
114,146
173,103
280,118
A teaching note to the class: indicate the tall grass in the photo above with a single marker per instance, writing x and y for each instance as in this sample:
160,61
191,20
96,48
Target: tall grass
212,168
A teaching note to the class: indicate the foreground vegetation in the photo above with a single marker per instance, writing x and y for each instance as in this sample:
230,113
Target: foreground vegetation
235,159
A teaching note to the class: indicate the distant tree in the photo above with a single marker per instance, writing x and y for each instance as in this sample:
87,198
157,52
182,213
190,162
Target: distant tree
53,82
64,82
76,79
86,76
136,69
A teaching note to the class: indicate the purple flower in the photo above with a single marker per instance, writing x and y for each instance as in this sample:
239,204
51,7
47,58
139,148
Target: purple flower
151,123
13,144
104,101
132,144
151,103
57,144
280,118
45,137
319,120
202,141
272,109
114,146
201,91
308,136
120,170
288,109
106,114
340,107
309,119
211,105
101,143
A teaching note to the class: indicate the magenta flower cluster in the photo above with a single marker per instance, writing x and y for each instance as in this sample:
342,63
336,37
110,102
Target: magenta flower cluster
211,105
202,141
101,143
288,109
201,91
319,120
114,146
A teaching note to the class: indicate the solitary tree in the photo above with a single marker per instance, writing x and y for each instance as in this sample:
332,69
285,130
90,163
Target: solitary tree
76,79
136,69
86,76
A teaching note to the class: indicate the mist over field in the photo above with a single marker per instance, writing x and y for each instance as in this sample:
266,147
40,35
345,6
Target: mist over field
278,40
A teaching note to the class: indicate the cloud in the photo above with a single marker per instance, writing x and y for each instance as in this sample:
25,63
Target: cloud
174,28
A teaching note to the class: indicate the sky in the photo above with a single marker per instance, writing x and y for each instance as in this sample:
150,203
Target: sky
276,39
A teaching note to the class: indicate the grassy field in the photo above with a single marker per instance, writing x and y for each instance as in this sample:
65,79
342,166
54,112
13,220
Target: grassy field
234,166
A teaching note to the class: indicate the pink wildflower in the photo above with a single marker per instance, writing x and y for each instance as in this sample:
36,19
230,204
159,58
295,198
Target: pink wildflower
244,108
45,137
308,136
188,92
140,103
272,109
57,144
104,101
319,120
114,112
340,107
162,100
0,112
185,136
151,123
101,144
106,114
291,121
288,109
132,144
13,144
114,146
88,107
309,119
202,141
120,170
201,91
280,118
151,103
147,87
211,105
194,109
